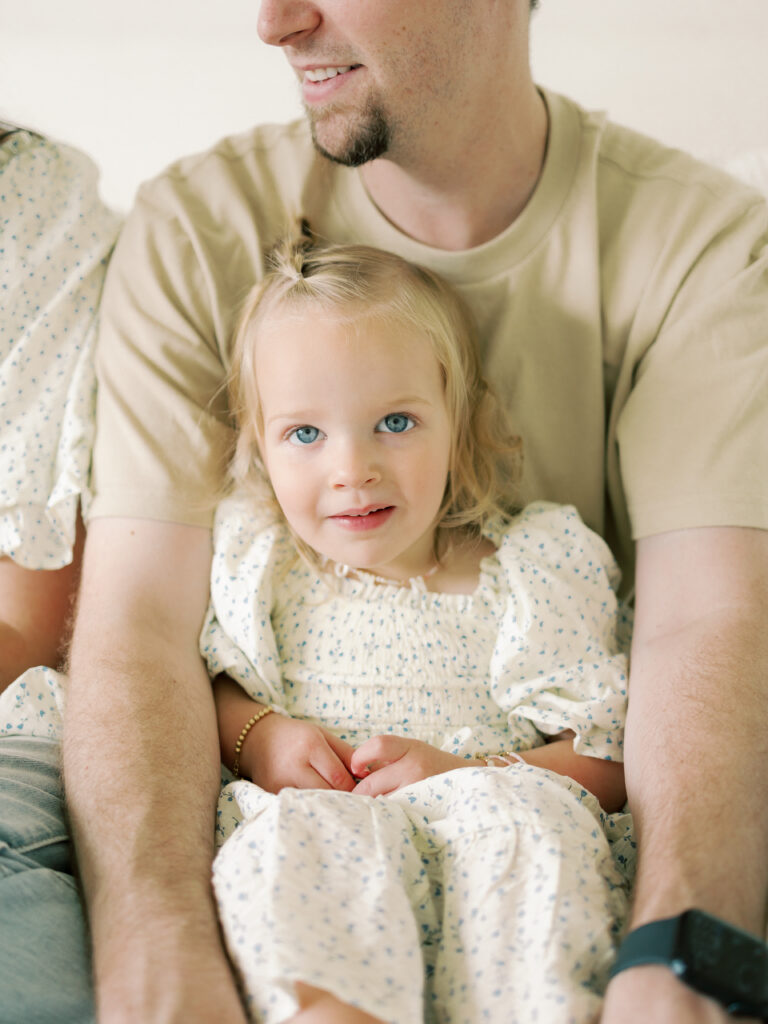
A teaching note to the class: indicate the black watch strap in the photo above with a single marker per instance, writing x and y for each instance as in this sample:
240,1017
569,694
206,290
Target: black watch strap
711,956
652,943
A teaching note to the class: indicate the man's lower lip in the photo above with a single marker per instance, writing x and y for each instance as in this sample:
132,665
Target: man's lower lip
317,92
368,522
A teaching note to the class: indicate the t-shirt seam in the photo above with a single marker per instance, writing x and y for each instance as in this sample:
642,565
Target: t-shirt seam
717,194
253,142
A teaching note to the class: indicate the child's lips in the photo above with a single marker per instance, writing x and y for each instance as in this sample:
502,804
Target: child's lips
362,519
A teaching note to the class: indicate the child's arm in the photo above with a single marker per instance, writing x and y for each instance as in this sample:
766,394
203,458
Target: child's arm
385,763
278,751
35,612
603,778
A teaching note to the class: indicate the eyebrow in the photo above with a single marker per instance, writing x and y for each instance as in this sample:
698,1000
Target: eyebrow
304,416
293,417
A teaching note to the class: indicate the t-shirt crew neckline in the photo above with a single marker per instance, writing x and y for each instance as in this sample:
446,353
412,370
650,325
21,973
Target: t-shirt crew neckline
363,220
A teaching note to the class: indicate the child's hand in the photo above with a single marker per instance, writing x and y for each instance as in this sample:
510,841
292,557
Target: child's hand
385,763
288,752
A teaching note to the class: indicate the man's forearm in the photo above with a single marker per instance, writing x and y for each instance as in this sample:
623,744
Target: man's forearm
141,775
696,753
696,750
141,771
696,761
696,764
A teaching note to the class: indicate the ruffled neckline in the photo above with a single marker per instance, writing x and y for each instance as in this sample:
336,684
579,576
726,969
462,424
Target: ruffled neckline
414,591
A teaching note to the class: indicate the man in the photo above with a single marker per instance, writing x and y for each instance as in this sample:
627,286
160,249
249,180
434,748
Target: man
619,290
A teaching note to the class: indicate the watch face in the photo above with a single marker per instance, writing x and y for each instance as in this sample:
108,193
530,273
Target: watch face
723,962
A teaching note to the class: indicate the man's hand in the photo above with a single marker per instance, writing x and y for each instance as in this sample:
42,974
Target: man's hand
653,994
280,751
182,977
385,763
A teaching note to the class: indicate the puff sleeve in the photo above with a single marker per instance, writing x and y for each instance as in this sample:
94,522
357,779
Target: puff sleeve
237,636
55,238
560,661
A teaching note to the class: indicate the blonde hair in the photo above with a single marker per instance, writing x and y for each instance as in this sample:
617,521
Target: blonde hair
345,280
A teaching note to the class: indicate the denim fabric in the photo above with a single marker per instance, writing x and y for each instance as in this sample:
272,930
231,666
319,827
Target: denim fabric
45,975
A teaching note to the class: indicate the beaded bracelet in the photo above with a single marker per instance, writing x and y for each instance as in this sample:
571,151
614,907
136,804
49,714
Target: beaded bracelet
507,757
241,738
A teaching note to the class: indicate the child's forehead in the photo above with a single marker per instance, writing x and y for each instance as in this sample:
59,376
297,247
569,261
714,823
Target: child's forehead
347,314
327,358
351,322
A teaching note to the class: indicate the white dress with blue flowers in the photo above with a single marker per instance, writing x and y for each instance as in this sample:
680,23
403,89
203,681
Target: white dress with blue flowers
55,238
483,894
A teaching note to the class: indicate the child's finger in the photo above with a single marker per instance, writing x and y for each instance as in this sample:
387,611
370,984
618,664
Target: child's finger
308,778
376,753
331,769
343,750
382,781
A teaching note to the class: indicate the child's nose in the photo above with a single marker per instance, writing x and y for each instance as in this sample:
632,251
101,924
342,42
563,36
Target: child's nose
355,466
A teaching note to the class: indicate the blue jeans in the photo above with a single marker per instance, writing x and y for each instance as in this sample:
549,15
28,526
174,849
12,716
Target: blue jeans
45,973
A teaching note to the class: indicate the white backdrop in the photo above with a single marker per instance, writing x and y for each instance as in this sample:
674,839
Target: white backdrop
137,83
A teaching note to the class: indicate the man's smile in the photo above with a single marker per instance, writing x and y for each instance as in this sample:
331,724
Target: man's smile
322,74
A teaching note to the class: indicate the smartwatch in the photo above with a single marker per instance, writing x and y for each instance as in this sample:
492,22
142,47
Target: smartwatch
709,955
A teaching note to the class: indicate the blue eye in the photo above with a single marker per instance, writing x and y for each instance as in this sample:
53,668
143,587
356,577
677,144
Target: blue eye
304,435
395,423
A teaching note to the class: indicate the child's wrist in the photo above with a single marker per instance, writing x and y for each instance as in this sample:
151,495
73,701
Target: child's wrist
244,734
499,759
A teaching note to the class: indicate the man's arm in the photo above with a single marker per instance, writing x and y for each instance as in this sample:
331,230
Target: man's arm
696,752
35,613
142,775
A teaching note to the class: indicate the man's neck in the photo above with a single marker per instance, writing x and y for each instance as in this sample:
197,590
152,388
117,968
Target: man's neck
472,186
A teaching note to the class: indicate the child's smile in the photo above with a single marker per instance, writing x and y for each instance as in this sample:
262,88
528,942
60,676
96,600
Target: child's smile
364,519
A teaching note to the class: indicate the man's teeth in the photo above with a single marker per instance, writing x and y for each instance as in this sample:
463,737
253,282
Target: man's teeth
321,74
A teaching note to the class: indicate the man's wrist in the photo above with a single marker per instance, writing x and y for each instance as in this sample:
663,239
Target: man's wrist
711,956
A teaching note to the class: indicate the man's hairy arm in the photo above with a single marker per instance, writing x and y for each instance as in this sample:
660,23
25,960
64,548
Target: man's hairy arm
141,771
696,752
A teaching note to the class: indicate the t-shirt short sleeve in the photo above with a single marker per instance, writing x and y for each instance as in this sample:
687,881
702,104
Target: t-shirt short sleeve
693,434
160,403
191,250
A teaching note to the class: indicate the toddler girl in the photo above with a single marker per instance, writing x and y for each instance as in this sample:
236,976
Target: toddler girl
429,691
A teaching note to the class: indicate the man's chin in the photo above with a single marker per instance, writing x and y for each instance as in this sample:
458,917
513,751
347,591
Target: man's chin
355,145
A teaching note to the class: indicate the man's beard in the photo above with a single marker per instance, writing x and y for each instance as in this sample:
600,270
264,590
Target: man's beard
365,142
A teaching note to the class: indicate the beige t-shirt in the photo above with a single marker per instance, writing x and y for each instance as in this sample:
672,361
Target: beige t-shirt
623,317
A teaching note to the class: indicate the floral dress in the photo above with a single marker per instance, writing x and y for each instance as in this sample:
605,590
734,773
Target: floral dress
482,894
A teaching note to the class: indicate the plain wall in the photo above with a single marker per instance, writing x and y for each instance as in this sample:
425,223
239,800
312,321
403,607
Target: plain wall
140,82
